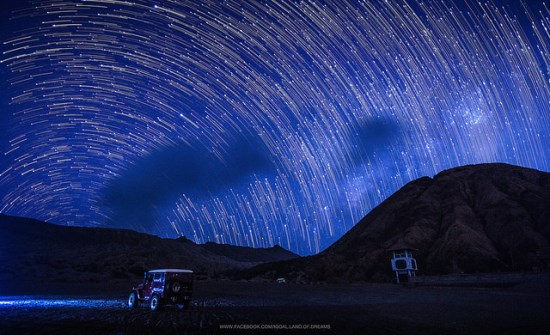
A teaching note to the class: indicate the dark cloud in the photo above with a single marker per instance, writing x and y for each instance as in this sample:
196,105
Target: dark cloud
159,178
376,135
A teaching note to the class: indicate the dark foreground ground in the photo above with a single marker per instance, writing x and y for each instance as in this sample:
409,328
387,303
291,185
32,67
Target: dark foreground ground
270,308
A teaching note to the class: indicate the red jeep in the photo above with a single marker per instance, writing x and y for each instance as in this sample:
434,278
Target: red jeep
163,287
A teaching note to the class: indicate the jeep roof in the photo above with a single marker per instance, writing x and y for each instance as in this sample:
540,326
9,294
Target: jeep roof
171,270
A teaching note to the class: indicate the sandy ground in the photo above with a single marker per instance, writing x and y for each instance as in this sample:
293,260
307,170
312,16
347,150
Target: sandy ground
270,308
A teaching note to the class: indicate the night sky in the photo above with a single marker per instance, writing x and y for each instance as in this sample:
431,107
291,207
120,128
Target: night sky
259,122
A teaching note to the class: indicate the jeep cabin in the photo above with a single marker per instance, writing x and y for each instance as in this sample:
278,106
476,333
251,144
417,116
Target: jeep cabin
163,287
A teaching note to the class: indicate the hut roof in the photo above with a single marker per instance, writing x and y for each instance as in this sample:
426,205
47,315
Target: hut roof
401,246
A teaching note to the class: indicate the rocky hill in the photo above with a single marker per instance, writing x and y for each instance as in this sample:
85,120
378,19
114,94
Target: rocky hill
31,250
248,254
478,218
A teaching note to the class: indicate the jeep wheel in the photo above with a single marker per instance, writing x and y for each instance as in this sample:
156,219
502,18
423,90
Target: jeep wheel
155,302
132,300
175,286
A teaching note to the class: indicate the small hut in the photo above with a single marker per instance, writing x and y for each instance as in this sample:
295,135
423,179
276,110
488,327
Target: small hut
403,262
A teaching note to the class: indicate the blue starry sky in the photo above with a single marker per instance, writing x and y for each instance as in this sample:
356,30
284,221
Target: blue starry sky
259,122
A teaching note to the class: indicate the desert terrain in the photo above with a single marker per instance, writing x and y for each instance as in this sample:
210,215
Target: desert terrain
232,307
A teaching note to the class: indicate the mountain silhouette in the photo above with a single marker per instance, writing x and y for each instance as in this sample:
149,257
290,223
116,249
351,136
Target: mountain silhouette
470,219
33,250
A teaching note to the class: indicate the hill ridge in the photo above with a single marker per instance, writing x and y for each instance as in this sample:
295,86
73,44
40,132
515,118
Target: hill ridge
31,248
473,218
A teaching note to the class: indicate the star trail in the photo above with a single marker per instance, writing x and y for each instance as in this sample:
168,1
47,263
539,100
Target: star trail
259,122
